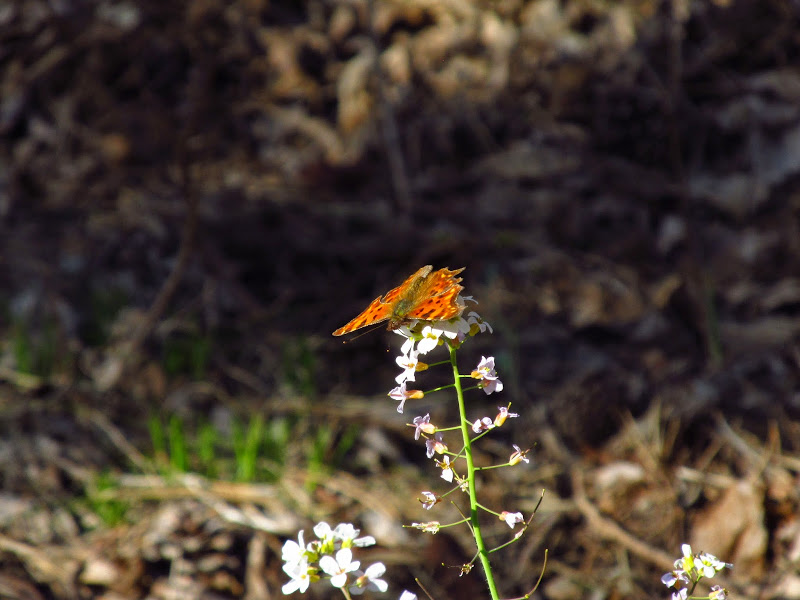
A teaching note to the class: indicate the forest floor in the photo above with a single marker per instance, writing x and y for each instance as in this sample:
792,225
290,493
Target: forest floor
194,195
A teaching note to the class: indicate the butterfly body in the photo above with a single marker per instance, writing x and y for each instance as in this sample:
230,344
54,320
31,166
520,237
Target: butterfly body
426,295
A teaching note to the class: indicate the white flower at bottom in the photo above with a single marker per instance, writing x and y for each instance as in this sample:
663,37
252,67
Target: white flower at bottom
711,564
293,552
435,445
428,527
423,425
447,469
474,318
718,593
339,567
483,424
430,339
401,394
324,532
300,575
348,535
510,518
408,362
503,415
429,500
518,455
370,580
488,376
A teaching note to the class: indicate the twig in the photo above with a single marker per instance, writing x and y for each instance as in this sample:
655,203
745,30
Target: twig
117,438
58,574
255,569
122,358
609,530
184,253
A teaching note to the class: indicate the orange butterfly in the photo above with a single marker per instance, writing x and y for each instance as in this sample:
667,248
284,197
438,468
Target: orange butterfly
425,296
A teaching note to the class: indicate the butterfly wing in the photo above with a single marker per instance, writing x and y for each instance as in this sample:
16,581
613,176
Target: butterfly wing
376,312
438,297
382,307
394,295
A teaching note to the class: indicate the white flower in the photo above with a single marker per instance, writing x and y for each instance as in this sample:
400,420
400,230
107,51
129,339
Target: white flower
408,362
447,471
300,577
518,456
400,394
691,568
430,500
406,595
511,519
482,425
447,329
423,424
486,373
323,531
428,527
718,592
435,445
408,345
370,580
712,564
503,415
474,318
339,567
348,535
294,552
430,339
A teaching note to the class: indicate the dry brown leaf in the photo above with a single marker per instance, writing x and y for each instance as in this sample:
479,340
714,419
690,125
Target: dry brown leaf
732,529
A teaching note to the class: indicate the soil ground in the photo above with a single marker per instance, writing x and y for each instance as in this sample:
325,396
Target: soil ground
194,195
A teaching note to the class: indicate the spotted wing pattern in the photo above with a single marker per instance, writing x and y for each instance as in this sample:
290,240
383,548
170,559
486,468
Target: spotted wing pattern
437,299
382,308
424,295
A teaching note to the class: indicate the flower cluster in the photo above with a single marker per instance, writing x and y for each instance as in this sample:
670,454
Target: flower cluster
456,466
488,377
332,555
690,569
419,343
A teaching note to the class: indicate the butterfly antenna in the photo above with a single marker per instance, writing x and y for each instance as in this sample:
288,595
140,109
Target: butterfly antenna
419,583
363,333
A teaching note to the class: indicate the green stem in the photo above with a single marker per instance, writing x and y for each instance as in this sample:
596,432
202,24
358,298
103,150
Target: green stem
483,554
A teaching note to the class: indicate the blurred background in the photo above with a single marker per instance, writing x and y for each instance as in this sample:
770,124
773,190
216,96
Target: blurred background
194,195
